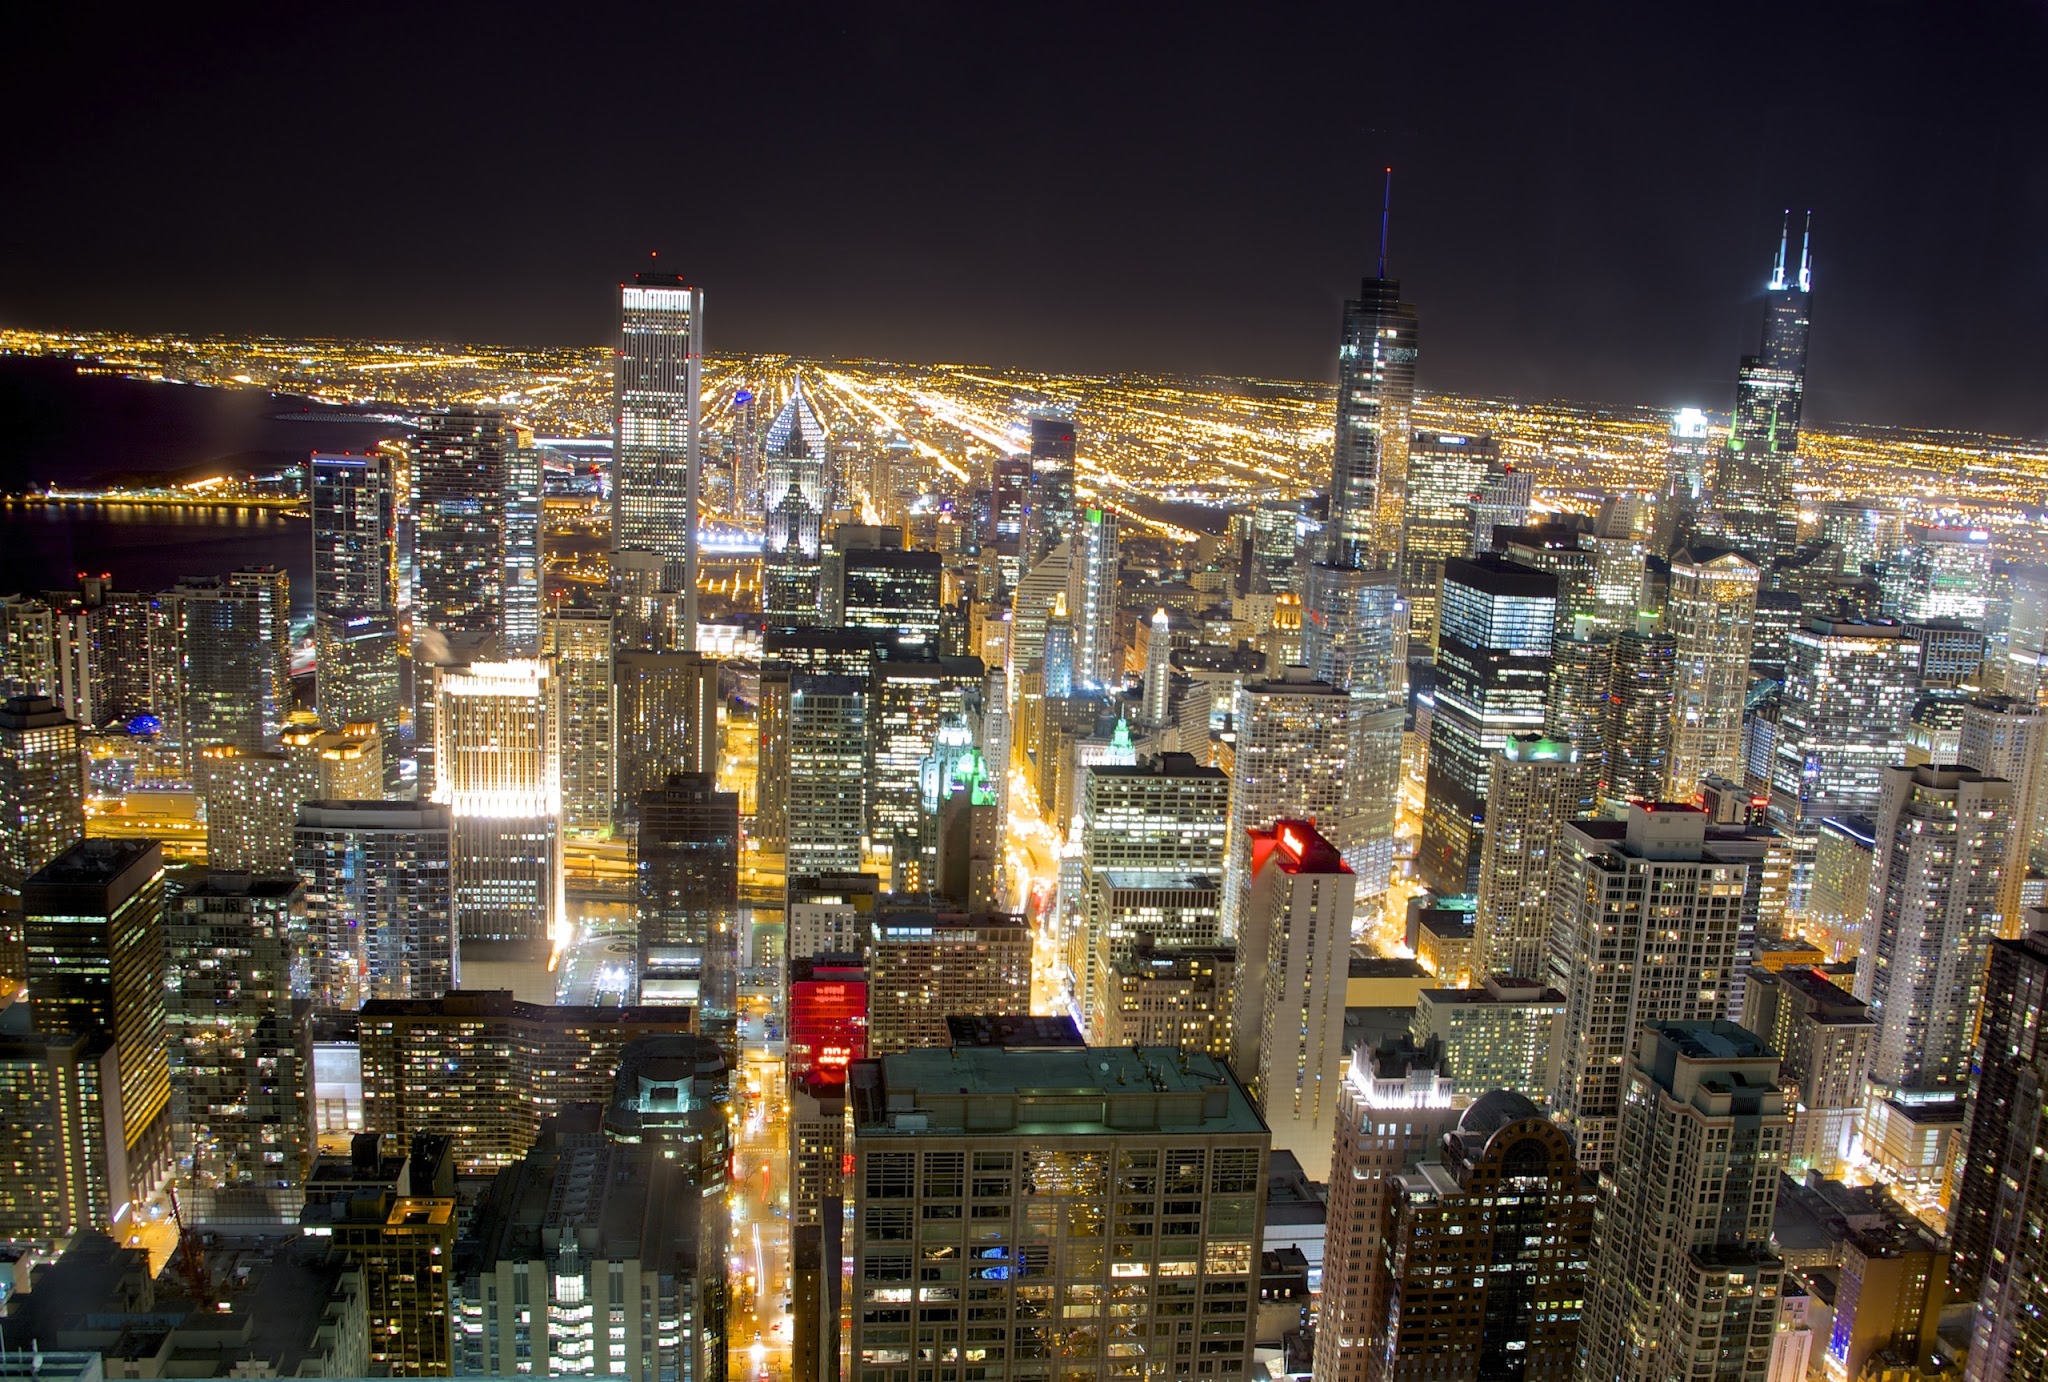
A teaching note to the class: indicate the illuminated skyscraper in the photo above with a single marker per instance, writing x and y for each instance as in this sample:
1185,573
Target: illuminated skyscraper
1376,352
1939,573
1823,1036
657,459
93,919
252,801
1646,927
793,488
1637,735
667,721
1687,465
1159,673
1709,613
1393,1109
1935,886
1445,473
1753,496
356,503
1492,661
895,593
1050,517
1678,1289
925,966
2004,738
1848,690
827,796
462,491
1531,791
379,901
1291,762
580,642
689,900
42,800
497,751
1092,596
235,636
1293,944
241,1073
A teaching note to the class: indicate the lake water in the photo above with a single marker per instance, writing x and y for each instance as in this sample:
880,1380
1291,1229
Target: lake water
58,426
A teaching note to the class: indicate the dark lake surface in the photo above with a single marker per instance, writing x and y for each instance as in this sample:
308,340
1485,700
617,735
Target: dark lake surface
57,426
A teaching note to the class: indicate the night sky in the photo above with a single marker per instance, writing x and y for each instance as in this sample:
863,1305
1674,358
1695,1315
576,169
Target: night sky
1586,197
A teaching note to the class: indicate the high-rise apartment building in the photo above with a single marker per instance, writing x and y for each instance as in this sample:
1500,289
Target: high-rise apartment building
1354,636
827,794
580,642
1394,1108
1180,996
93,925
379,900
462,494
1499,1035
656,461
235,639
1531,791
485,1070
60,1106
690,899
1709,612
1147,1135
1519,1316
1753,500
1445,472
1823,1036
357,501
1935,886
1492,665
1290,761
497,769
1646,927
1092,595
252,803
42,799
794,491
1293,957
1683,1281
927,966
240,1047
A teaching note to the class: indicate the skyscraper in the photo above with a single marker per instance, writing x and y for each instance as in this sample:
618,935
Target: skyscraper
1520,1316
1376,353
462,482
1445,472
827,796
42,800
1532,790
1049,519
1092,596
2005,738
689,899
356,503
926,966
1646,927
1708,612
1292,755
235,641
379,900
893,592
794,491
252,801
1683,1282
1394,1107
581,644
1823,1036
1159,673
966,1128
1935,886
1753,497
1294,941
656,458
1492,664
497,752
1686,471
1637,735
666,708
241,1075
93,920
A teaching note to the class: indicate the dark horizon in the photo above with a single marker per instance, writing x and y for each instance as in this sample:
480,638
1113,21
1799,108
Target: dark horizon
1586,199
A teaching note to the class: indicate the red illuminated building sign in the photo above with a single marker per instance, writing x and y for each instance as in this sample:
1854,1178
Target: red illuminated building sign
828,1026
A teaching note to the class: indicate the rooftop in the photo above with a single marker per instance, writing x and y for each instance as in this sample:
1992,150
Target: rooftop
1099,1091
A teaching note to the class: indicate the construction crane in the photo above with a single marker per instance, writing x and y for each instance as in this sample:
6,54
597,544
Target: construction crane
191,1256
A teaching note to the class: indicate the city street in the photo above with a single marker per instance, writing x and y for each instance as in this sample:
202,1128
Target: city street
758,1263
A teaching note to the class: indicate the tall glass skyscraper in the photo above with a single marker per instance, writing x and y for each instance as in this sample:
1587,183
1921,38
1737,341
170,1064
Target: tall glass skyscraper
1492,668
1375,400
355,592
793,489
656,461
1753,492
